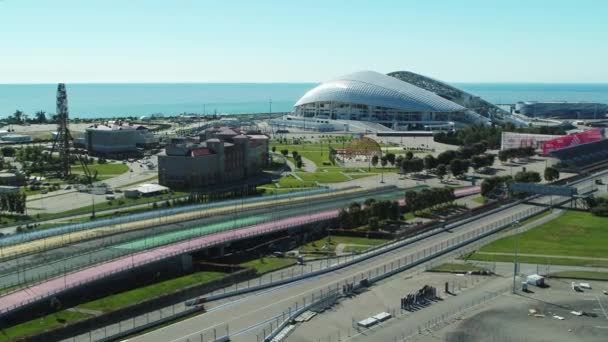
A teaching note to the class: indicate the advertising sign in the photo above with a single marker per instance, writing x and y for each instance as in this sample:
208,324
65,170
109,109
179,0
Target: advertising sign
516,140
570,140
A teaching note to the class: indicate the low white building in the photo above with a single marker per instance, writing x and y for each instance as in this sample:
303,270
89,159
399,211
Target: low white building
145,190
16,138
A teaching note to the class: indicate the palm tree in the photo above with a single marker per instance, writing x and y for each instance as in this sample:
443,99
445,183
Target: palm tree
40,116
18,115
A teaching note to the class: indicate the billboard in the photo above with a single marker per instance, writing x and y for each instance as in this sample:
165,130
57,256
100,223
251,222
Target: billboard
570,140
516,140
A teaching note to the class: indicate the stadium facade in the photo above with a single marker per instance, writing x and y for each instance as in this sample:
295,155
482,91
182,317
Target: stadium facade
562,109
379,99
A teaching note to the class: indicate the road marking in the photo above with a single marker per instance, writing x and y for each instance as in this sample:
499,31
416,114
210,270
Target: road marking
602,307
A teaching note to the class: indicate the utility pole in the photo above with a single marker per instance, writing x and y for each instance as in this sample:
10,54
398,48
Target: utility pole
516,249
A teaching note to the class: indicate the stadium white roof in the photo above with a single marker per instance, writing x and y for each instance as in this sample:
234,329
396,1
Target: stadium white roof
376,89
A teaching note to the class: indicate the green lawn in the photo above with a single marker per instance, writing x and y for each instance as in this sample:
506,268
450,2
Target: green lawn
104,171
540,260
456,268
269,264
357,244
585,275
289,181
323,177
49,322
573,234
478,199
134,296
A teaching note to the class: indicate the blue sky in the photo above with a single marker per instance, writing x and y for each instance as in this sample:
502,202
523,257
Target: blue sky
46,41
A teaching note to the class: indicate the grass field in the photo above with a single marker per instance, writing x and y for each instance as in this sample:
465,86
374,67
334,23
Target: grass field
104,171
49,322
353,244
269,264
323,177
540,260
478,199
573,234
134,296
585,275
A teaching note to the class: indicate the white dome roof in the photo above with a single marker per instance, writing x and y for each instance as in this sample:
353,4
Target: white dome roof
376,89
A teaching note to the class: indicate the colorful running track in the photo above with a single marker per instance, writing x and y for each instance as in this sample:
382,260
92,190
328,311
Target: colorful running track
47,288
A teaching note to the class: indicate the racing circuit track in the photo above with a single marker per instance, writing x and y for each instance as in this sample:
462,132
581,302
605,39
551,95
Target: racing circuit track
47,288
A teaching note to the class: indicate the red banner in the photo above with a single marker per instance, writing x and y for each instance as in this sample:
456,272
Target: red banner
570,140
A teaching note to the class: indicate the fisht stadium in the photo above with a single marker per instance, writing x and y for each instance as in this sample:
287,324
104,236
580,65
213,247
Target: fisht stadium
402,101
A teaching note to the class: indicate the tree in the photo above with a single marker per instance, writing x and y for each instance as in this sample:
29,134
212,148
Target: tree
441,171
409,155
374,223
390,157
429,162
8,151
527,177
458,167
274,149
375,160
551,174
294,154
285,152
503,155
18,116
55,304
40,116
299,163
383,161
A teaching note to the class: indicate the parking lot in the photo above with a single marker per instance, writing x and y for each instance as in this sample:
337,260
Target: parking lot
541,315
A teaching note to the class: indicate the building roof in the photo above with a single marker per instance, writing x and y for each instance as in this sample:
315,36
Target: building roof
201,151
149,188
376,89
258,137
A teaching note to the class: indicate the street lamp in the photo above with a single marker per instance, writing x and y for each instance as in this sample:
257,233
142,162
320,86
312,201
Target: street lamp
516,225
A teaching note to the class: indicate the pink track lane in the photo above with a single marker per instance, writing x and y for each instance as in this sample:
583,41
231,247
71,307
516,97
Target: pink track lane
49,287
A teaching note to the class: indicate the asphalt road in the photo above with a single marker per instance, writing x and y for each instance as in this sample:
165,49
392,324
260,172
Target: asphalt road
58,260
246,315
243,315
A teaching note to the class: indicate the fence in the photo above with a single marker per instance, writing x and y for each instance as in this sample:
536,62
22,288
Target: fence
70,228
399,265
105,252
411,328
373,275
149,257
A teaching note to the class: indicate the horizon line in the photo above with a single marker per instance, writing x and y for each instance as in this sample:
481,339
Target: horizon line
282,82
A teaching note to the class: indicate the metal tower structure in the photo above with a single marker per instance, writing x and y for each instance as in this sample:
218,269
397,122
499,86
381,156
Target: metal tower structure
63,134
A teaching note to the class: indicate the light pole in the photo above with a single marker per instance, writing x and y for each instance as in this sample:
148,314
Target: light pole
516,225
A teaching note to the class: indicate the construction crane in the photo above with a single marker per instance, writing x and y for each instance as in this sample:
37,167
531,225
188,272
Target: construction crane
64,140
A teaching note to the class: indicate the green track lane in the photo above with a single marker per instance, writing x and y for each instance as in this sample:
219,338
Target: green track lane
192,232
163,239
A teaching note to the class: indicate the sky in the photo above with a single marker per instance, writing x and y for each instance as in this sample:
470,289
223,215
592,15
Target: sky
94,41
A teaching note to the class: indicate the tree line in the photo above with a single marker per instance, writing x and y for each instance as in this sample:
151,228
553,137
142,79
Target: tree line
13,202
491,136
428,198
511,153
371,213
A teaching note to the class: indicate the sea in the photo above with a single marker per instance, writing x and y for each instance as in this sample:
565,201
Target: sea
120,100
